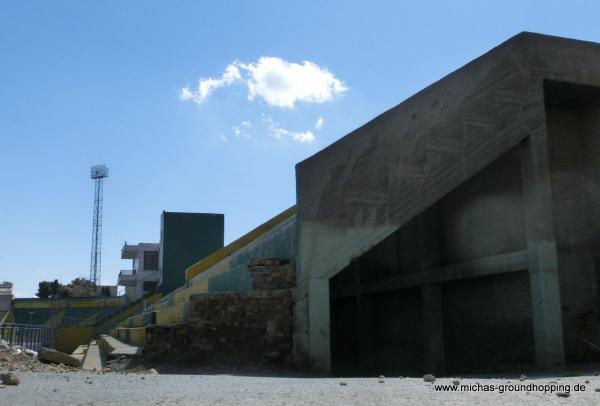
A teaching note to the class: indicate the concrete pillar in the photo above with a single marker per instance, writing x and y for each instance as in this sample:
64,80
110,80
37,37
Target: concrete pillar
433,329
364,324
431,297
319,331
542,254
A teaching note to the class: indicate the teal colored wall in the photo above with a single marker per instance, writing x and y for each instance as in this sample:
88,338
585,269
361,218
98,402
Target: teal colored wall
186,238
281,242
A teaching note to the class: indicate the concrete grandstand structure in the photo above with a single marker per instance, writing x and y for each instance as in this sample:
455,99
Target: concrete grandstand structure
76,319
461,223
457,232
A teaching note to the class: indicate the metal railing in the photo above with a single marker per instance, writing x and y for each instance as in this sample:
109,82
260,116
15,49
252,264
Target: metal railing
127,272
29,336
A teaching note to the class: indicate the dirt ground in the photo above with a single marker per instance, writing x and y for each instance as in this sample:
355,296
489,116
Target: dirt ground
82,388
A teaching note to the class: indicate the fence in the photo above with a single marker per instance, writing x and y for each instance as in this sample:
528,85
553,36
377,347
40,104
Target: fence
29,336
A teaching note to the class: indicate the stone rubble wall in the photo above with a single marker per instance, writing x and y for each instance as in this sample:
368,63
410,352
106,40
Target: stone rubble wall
237,328
272,274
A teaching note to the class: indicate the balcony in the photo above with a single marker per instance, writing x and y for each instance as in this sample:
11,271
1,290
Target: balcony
129,251
127,277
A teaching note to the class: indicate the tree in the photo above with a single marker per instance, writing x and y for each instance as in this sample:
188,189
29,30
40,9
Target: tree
78,287
47,289
43,290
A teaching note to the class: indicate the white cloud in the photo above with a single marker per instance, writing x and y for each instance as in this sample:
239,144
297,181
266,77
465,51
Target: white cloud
241,130
209,85
303,136
319,124
279,83
223,138
282,84
277,131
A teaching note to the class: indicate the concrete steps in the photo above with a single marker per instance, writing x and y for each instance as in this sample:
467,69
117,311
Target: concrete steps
117,348
80,352
93,356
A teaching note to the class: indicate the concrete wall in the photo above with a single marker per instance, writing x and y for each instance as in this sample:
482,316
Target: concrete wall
487,320
366,186
278,243
68,338
573,114
484,216
5,302
186,238
487,324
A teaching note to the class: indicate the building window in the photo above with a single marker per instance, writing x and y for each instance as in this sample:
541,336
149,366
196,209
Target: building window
150,260
150,286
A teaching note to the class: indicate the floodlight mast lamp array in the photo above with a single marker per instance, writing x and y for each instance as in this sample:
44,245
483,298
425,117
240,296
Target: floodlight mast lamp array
97,173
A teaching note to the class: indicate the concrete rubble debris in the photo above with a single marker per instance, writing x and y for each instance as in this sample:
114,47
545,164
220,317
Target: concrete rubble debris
429,378
563,394
57,357
9,379
11,360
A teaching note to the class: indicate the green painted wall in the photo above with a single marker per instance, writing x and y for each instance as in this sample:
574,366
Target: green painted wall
281,242
186,238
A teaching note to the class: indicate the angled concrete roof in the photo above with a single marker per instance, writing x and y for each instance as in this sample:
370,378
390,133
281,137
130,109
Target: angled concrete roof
369,183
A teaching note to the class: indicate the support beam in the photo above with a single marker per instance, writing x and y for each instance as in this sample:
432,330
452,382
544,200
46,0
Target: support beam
319,331
364,323
542,254
511,262
431,295
433,329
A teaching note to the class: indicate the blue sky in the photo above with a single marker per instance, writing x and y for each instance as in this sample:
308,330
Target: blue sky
85,82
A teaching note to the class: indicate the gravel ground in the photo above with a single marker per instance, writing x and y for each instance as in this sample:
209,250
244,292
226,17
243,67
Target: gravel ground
146,389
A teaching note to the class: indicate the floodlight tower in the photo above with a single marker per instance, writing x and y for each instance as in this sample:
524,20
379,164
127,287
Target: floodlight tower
97,173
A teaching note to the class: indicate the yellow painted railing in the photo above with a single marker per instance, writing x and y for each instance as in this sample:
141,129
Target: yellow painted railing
63,303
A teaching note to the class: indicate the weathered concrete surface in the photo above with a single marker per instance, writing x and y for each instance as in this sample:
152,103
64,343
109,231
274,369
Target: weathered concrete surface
145,389
117,348
94,358
57,357
364,187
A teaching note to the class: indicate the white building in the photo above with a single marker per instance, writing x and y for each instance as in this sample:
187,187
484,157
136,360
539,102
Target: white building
143,276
